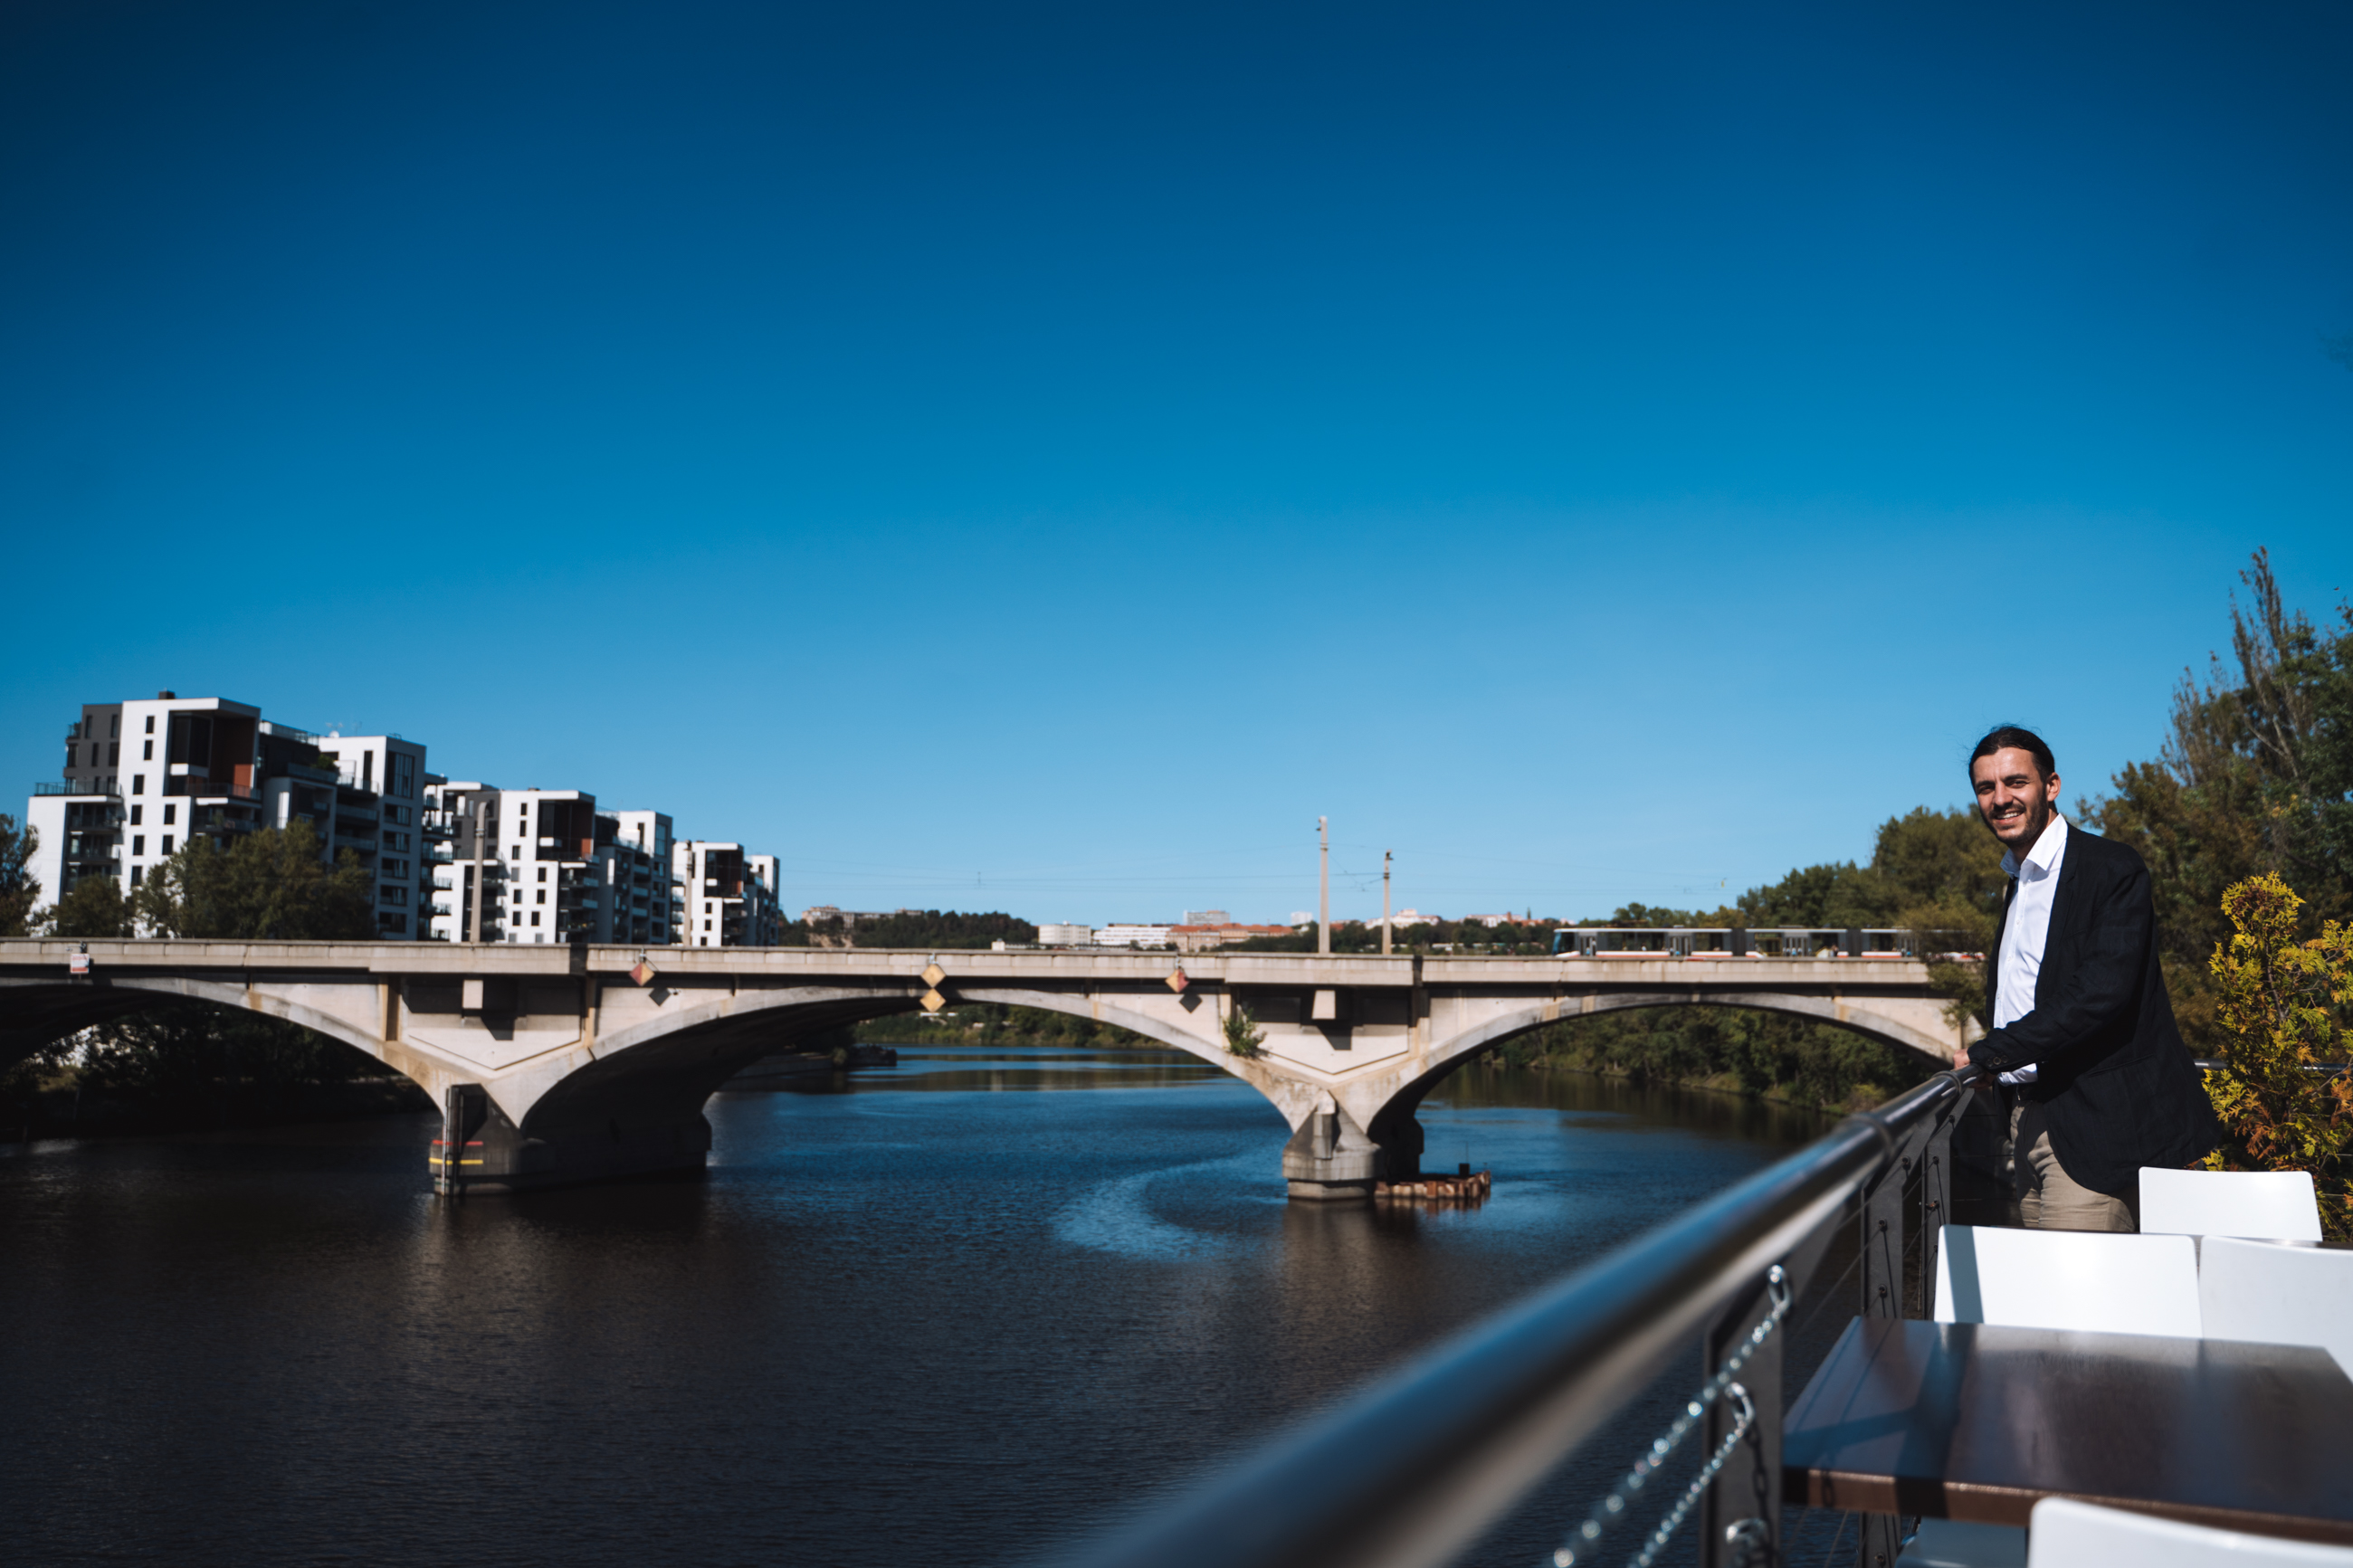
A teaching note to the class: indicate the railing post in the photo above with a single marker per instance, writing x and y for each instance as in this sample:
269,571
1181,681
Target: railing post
1937,1197
1740,1512
1883,1297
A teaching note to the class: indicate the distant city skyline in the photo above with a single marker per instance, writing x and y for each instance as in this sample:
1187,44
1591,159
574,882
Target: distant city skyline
1041,461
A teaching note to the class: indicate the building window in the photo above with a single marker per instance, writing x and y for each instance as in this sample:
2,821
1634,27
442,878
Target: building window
543,899
514,851
139,844
136,872
534,917
134,815
114,725
706,925
113,754
518,917
146,750
171,814
138,783
151,723
543,873
167,844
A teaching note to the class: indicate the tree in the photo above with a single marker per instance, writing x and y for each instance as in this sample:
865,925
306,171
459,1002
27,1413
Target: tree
191,1060
96,908
2277,1002
17,889
2252,780
271,886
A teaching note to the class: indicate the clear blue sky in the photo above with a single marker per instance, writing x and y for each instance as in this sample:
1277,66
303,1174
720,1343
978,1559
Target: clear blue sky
1041,458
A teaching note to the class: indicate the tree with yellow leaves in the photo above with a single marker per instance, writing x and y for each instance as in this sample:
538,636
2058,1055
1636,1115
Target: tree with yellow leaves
2278,1005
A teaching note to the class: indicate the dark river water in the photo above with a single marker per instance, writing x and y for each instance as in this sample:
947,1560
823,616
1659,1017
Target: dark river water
958,1311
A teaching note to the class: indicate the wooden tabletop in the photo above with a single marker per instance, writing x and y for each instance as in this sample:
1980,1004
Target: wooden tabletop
1969,1421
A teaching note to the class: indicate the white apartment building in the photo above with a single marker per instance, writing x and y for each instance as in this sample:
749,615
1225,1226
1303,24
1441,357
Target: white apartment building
1064,934
728,898
553,869
641,902
379,814
141,778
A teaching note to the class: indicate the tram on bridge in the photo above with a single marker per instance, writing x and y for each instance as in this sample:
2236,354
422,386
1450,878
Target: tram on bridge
1732,941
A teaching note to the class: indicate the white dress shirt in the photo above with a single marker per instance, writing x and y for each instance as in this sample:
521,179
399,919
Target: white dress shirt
2020,959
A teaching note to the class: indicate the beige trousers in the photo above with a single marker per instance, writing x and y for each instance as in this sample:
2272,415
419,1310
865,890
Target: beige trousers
2048,1198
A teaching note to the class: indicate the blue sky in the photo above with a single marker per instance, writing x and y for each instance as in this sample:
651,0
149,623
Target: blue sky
1041,458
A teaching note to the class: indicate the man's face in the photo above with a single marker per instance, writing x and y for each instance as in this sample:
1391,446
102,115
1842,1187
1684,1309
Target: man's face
2016,801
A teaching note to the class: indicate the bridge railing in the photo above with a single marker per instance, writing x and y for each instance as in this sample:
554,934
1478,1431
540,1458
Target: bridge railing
1422,1463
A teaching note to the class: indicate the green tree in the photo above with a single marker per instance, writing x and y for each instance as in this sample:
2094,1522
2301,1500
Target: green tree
190,1061
2252,779
270,885
17,889
2278,1004
96,908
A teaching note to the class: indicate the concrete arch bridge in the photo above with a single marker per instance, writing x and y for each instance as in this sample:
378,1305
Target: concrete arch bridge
555,1065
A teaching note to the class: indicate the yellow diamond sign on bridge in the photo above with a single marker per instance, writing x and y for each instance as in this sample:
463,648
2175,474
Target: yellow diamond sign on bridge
932,975
934,1001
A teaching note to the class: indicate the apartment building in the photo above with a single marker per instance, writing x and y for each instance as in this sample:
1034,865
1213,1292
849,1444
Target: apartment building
729,897
143,777
638,853
552,868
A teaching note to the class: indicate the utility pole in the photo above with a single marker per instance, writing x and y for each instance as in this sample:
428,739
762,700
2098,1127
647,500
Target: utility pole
1387,855
474,925
1323,896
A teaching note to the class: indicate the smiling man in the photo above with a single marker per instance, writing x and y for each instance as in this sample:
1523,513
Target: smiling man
2098,1080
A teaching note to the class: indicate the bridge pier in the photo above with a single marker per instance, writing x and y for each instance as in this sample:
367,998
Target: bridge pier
1330,1158
494,1155
1399,1137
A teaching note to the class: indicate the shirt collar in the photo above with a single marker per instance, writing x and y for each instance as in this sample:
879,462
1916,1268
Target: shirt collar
2046,849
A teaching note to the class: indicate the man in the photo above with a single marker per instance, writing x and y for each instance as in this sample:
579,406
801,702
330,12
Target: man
2098,1080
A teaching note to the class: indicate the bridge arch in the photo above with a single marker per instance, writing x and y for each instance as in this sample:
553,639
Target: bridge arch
730,1033
70,1011
1389,1117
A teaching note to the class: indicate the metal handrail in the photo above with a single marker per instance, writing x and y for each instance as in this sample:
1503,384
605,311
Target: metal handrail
1417,1466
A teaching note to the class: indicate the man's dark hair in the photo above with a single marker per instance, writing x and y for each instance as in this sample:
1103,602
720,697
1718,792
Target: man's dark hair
2003,737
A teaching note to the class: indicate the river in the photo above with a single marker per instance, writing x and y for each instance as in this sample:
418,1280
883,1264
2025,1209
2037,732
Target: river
958,1310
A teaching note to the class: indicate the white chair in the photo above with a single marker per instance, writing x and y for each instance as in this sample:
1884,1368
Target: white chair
2071,1534
2277,1204
2089,1281
2278,1295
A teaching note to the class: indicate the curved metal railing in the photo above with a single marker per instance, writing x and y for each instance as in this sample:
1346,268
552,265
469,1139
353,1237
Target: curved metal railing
1426,1458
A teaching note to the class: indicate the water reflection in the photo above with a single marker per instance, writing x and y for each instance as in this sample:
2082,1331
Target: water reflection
914,1314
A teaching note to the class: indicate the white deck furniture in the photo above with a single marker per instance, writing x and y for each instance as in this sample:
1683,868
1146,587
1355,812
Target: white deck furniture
2071,1534
2277,1204
2278,1295
2089,1281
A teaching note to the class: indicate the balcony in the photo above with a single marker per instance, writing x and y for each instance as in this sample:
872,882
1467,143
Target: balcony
207,789
77,787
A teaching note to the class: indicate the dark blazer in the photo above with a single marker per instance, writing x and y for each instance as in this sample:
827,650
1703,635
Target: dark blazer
2121,1087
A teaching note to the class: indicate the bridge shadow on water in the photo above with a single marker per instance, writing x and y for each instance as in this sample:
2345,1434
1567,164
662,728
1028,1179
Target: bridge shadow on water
970,1307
